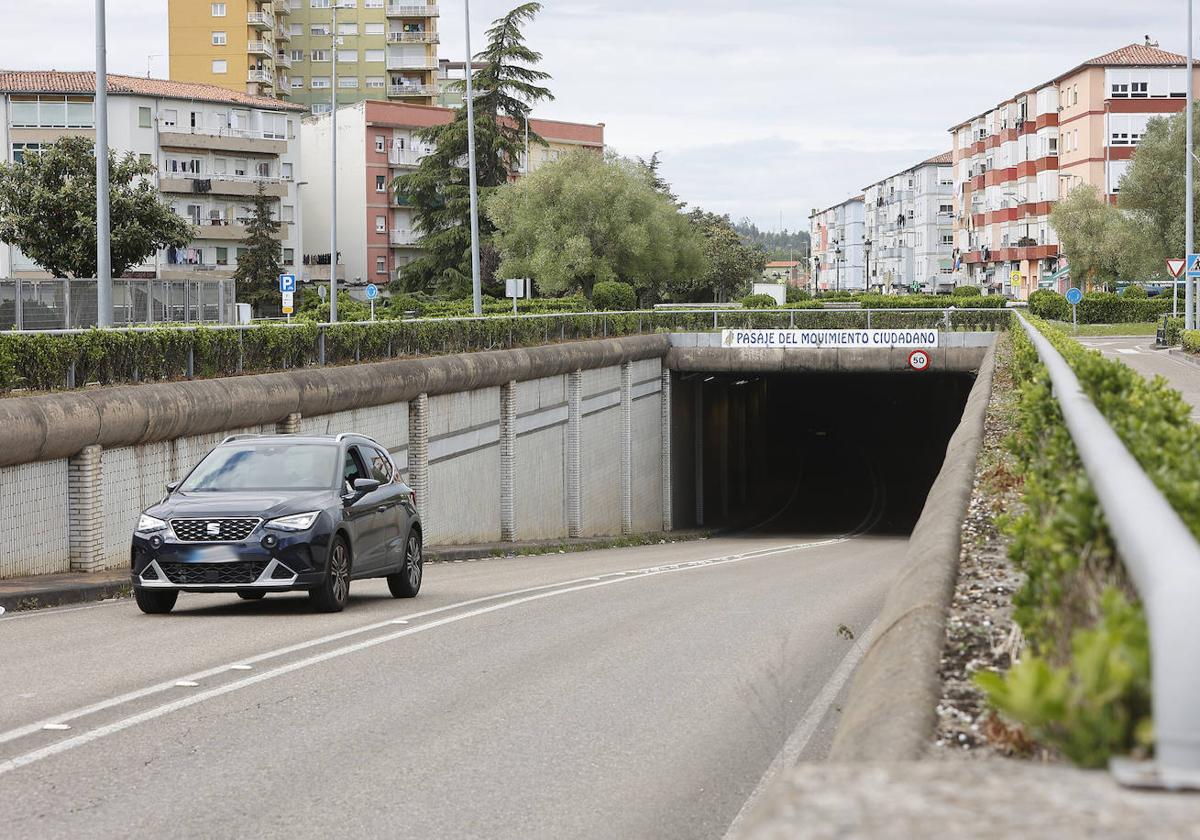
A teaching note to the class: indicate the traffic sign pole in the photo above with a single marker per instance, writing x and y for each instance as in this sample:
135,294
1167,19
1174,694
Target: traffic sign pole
1074,296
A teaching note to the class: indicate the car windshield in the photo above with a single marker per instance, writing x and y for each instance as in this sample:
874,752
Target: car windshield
277,466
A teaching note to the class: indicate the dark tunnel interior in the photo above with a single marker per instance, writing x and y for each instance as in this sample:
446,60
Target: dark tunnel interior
810,453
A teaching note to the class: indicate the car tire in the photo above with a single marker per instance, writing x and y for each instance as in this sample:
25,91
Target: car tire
251,594
406,583
155,601
334,589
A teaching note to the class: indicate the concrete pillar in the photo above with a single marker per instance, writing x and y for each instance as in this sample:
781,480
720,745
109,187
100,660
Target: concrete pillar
85,510
722,427
574,460
627,447
289,425
418,456
664,404
698,456
508,461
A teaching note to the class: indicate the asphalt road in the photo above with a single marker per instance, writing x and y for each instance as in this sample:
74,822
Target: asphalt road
1139,354
625,693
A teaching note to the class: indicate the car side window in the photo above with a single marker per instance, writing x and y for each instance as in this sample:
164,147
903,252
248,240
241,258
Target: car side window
380,464
353,468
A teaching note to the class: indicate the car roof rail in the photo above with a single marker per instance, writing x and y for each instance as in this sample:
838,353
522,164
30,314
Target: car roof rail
239,437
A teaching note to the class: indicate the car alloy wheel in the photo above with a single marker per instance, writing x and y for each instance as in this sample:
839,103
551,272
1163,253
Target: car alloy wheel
406,582
339,572
414,561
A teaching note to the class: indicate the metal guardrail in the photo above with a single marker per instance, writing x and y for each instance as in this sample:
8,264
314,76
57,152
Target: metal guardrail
1163,559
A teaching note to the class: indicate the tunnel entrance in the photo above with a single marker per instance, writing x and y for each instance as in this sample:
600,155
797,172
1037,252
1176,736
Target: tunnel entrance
810,453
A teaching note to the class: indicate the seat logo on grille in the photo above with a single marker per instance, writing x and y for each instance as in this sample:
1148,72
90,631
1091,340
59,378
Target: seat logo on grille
213,529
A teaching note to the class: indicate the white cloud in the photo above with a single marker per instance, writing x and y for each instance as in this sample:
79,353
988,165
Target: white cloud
755,105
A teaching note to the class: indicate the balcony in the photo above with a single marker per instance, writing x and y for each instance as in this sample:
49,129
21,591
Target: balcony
221,140
413,38
230,229
284,34
405,157
260,48
408,11
239,185
282,7
283,60
260,20
400,91
407,238
399,62
262,77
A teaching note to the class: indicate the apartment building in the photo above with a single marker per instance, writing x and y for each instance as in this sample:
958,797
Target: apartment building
909,228
838,255
377,141
1015,160
211,148
288,49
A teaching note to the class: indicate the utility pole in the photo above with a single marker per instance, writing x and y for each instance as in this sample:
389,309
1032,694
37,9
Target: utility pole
476,282
104,302
1189,300
333,254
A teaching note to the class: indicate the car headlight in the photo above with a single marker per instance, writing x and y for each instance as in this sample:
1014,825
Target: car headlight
148,524
295,522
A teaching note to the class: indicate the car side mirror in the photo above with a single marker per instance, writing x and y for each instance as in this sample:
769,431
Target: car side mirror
172,487
363,486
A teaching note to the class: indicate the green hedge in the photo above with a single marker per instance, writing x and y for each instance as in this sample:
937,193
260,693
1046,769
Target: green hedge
1099,307
1190,340
1083,687
759,302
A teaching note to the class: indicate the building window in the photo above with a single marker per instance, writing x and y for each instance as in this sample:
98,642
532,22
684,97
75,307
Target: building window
347,28
319,4
372,55
380,183
219,39
52,112
218,10
220,66
222,255
297,82
297,55
169,117
145,157
321,108
381,265
380,224
347,55
319,29
286,171
320,82
1139,90
372,4
373,28
145,117
348,82
380,143
375,81
320,55
289,256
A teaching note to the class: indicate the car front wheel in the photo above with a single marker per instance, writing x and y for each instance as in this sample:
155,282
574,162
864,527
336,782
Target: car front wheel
407,582
334,590
155,601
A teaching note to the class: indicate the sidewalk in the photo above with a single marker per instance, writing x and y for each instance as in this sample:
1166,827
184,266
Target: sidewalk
1139,354
993,798
37,591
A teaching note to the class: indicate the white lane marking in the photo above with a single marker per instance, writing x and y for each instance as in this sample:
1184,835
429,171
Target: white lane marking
186,684
138,694
56,727
1128,351
241,667
789,755
167,708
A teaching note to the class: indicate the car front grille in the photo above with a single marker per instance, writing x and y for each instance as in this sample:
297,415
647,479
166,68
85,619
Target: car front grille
196,573
201,530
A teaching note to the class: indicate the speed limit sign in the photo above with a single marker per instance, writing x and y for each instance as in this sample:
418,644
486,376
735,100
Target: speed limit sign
919,360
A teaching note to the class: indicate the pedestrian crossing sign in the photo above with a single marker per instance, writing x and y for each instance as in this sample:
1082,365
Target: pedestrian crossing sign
1193,265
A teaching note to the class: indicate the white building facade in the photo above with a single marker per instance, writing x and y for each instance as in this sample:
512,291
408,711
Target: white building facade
838,253
909,229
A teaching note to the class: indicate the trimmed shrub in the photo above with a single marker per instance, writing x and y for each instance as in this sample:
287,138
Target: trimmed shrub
759,302
1110,308
1050,305
1191,340
967,292
795,295
1135,291
614,296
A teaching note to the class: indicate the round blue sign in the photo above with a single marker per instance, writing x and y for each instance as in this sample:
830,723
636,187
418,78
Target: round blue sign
372,291
1074,296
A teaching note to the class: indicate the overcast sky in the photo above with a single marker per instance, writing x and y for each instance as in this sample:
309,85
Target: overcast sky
758,107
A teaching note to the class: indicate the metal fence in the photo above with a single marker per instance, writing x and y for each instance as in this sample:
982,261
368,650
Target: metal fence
1163,560
57,304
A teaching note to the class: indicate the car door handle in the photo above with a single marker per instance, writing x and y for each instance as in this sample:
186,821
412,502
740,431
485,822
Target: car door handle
381,509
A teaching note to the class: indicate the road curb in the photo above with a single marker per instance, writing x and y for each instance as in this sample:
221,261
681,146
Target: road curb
56,590
890,712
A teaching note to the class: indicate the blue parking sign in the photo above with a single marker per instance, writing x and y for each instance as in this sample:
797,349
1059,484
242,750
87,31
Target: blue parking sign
1074,296
372,291
287,282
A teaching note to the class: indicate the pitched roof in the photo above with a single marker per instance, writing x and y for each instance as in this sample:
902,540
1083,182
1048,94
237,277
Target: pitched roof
944,159
84,82
1137,55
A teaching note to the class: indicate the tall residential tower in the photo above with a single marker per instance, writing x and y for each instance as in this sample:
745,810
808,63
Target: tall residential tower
287,49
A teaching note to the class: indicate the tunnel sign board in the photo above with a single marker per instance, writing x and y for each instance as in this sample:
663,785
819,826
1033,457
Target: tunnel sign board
817,339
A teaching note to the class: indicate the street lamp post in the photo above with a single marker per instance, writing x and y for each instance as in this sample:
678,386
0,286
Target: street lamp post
1189,300
104,302
333,137
867,267
837,282
476,282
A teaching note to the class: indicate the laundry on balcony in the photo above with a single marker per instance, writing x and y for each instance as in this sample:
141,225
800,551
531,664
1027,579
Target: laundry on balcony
184,256
201,185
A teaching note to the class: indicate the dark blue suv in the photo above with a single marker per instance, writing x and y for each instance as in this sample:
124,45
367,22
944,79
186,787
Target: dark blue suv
275,513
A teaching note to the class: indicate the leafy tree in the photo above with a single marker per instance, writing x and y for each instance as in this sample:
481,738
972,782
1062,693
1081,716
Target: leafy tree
778,245
584,220
1091,233
657,181
261,263
732,264
506,88
613,296
48,210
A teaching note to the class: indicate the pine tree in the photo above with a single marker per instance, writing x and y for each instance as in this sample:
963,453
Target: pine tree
506,89
261,263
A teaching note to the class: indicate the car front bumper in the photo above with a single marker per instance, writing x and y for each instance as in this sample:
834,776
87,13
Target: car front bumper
294,561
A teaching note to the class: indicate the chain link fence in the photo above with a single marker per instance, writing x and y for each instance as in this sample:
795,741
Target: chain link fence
60,304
